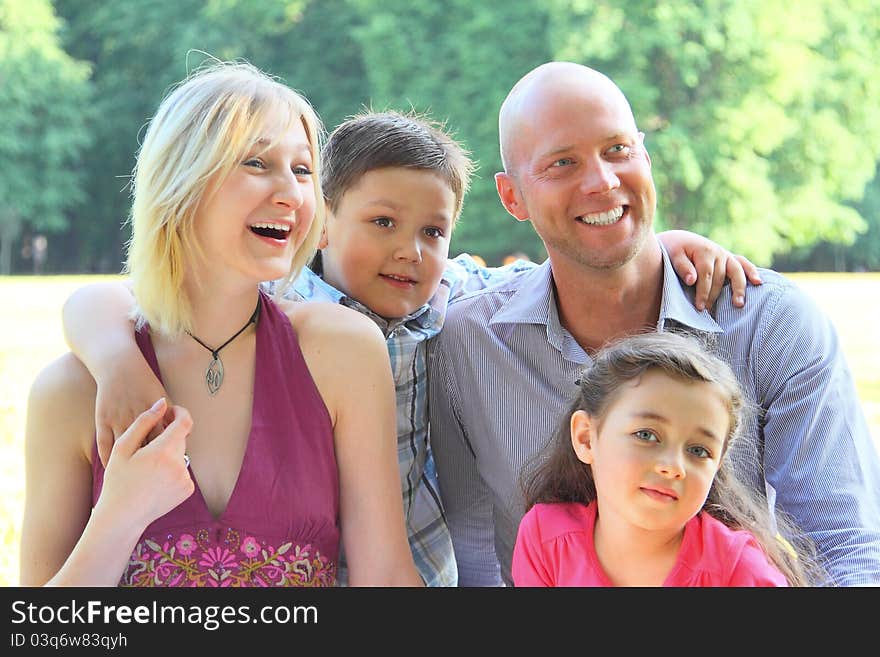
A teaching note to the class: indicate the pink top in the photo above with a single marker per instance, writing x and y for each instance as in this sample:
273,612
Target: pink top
280,527
554,547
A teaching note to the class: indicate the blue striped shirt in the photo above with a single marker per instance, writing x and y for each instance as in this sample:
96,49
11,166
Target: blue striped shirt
406,339
504,368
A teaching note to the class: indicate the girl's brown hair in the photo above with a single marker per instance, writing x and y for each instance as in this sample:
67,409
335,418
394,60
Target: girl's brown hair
557,475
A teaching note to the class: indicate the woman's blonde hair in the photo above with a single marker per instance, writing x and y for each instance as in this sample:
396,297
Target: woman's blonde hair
202,130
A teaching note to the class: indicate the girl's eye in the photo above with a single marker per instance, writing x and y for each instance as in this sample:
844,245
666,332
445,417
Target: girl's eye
301,171
647,435
699,451
255,162
433,232
383,222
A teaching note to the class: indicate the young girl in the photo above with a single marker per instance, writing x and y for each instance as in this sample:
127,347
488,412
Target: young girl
284,439
635,490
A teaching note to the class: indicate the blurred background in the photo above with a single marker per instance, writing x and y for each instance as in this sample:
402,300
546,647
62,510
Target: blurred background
762,116
762,119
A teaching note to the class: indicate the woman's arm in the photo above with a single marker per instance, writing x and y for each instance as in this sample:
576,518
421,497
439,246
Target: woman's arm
64,542
349,362
98,330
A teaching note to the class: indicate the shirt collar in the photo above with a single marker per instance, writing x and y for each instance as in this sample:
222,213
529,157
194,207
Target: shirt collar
677,303
534,302
311,285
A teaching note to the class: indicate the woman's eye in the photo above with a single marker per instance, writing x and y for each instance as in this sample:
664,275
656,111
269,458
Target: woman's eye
646,435
255,162
301,171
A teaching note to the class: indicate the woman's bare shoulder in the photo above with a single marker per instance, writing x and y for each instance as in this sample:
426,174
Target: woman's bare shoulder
343,350
330,323
61,403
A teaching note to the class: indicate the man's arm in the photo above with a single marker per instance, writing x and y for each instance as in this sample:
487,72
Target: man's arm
99,332
466,498
819,457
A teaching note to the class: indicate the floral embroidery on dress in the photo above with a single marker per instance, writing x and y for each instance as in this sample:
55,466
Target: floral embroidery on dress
188,560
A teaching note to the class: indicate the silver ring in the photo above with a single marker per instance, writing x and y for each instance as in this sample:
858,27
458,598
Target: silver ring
186,459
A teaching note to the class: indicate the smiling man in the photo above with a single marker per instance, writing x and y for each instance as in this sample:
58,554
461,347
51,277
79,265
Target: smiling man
576,167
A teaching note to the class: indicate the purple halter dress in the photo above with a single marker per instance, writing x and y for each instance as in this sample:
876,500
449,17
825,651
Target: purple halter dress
280,527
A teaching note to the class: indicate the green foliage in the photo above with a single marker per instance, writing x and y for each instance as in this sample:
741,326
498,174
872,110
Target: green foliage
762,116
139,50
43,104
457,60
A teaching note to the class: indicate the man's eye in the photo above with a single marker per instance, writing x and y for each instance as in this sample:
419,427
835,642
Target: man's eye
563,162
433,232
620,149
646,435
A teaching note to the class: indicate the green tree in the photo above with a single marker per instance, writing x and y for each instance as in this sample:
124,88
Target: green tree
43,103
456,60
762,116
138,51
863,254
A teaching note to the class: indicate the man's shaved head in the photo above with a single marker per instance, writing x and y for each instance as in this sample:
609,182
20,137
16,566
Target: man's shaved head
538,85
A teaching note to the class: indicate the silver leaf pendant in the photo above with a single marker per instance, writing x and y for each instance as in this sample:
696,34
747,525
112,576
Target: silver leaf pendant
214,376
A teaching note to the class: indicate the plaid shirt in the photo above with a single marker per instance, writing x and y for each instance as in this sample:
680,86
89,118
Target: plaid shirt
407,340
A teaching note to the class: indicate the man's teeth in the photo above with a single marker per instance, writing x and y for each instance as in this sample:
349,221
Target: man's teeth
282,227
602,218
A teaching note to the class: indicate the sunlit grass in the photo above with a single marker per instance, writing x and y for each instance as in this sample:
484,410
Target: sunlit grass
30,337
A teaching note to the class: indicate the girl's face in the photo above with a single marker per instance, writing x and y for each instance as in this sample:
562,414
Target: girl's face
655,452
255,220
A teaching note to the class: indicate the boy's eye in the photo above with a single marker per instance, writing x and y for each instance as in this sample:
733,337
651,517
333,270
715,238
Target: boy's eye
699,451
434,232
646,435
383,222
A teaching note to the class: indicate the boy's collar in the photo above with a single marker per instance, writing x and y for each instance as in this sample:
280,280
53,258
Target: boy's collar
316,264
424,316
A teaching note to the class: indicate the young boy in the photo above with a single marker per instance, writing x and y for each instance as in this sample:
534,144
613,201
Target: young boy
394,186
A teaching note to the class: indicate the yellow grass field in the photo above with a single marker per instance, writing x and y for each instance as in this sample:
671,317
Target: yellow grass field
30,337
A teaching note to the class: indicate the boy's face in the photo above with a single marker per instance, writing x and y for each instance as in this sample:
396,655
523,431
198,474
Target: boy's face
387,243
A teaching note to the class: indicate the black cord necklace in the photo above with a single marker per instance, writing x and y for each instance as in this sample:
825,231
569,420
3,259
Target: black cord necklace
214,373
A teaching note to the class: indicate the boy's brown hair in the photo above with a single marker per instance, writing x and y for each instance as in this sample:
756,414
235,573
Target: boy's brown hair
376,140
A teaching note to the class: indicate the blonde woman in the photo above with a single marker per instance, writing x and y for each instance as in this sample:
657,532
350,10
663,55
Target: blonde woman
283,442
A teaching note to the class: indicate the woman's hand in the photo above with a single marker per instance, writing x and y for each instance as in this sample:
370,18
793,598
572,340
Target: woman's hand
144,482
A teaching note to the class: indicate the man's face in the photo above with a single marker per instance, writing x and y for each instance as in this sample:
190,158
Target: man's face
578,170
387,243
